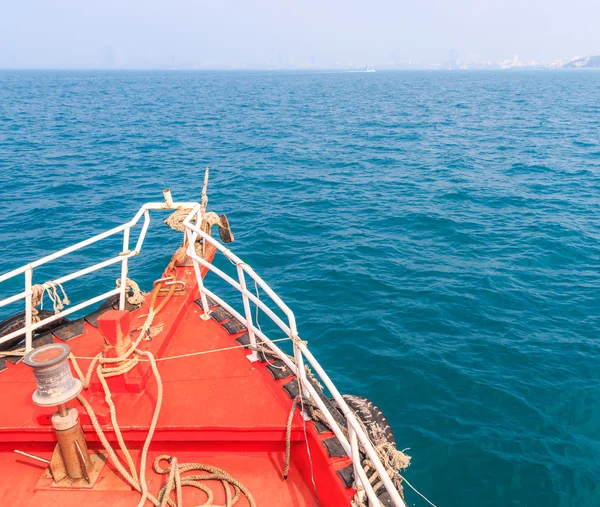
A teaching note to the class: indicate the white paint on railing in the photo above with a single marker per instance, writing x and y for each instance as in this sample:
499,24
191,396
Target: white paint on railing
355,430
191,237
125,254
253,356
63,313
282,325
13,299
192,231
355,452
27,270
28,308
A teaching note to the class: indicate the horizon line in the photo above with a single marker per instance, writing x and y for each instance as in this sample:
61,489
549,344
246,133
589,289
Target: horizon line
279,69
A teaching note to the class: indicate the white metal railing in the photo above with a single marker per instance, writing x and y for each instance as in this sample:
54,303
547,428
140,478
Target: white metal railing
355,431
123,258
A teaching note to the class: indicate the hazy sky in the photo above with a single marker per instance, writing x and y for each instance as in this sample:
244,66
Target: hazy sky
149,33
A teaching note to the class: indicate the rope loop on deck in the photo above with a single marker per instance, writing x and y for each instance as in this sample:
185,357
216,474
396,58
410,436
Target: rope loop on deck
176,481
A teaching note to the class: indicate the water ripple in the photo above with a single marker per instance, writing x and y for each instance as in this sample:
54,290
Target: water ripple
436,234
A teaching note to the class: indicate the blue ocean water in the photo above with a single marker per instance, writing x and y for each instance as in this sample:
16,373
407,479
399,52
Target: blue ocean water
436,234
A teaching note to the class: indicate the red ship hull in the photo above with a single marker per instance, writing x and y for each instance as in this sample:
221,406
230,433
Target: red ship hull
218,408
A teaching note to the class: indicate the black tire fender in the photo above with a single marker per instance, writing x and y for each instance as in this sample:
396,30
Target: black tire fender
17,321
372,417
378,429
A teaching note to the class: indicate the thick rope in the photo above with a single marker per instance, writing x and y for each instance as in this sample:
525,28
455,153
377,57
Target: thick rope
133,293
392,459
57,303
159,398
16,352
288,438
123,364
213,474
136,298
175,220
51,289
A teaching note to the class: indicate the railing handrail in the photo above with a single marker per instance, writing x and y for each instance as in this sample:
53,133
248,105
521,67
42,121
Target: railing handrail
355,430
123,257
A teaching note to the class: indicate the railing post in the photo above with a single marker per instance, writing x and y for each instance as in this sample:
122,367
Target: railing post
124,268
28,308
360,433
355,455
253,356
299,363
143,232
191,236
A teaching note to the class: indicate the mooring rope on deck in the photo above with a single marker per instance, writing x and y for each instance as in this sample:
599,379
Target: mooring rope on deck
175,481
125,363
134,296
288,438
191,354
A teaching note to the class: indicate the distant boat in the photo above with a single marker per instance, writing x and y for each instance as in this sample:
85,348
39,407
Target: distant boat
368,70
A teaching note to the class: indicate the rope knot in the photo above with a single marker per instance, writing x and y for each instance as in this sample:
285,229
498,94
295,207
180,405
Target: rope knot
296,340
133,293
50,288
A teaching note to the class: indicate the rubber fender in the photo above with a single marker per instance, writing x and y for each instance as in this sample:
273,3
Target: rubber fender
378,427
378,430
109,302
17,321
386,499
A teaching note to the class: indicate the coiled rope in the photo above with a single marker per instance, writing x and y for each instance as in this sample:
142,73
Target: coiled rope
133,293
175,220
175,481
102,366
392,459
134,296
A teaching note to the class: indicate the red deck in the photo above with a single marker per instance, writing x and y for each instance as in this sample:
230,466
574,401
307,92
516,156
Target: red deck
219,409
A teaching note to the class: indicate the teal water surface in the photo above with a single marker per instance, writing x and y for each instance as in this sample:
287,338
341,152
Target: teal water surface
436,234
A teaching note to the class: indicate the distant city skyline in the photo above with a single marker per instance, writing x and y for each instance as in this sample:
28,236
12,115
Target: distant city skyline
455,60
284,34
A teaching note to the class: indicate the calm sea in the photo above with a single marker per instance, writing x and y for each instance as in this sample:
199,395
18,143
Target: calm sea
437,235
